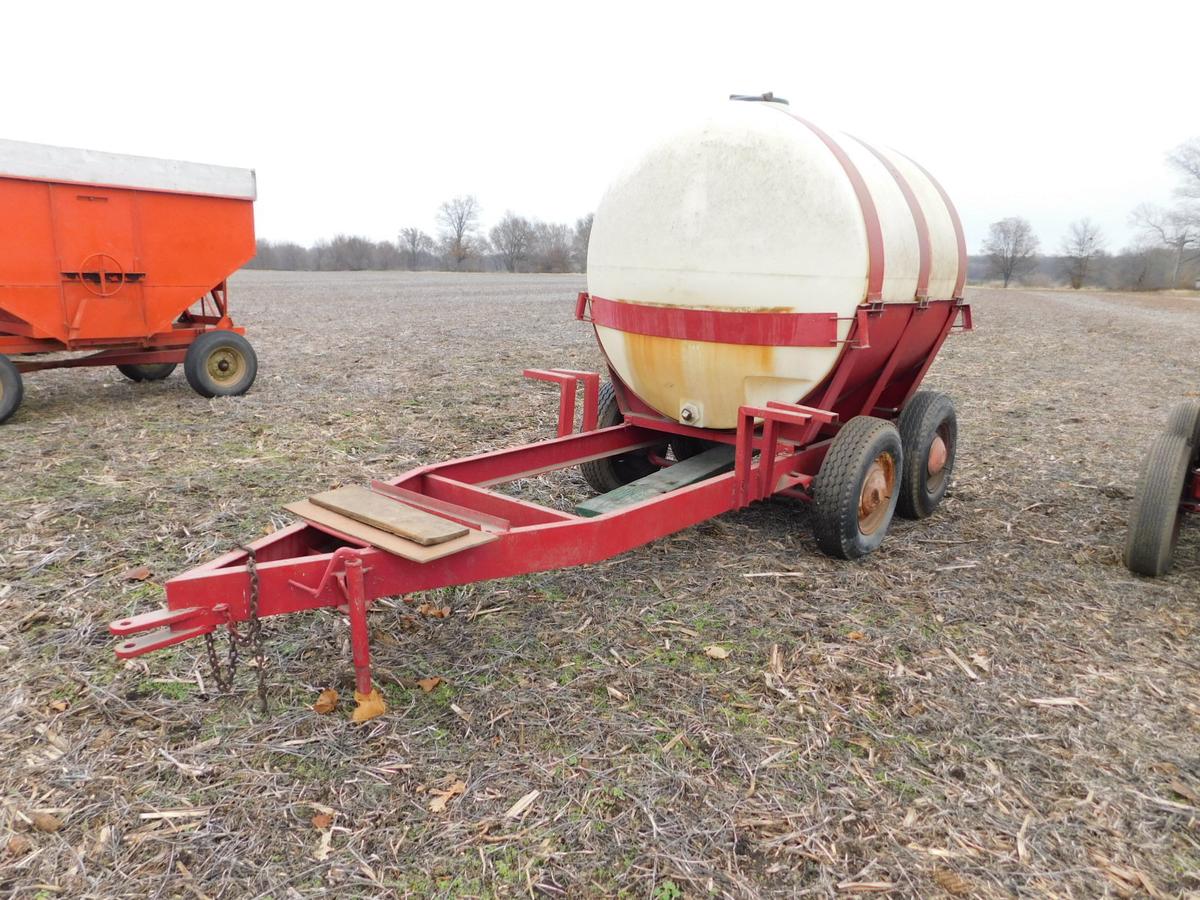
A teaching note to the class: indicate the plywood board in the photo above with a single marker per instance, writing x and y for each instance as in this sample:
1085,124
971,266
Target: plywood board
389,514
321,517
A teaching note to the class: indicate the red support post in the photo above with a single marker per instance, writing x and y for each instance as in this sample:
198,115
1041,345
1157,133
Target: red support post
369,701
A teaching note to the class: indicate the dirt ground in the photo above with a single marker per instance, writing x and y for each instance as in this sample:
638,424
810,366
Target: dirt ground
989,706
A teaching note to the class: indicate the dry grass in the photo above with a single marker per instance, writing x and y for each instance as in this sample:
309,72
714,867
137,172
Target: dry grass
989,706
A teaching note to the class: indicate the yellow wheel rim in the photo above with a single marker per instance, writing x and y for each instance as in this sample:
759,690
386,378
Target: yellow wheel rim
225,366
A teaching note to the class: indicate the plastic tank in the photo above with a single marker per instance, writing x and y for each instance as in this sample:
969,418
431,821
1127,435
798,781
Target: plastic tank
758,211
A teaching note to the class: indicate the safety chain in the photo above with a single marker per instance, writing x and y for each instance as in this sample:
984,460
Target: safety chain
253,639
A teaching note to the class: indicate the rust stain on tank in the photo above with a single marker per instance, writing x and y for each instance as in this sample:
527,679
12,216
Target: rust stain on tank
668,372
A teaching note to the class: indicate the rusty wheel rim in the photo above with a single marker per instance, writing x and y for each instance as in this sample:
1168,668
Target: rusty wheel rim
935,461
225,365
878,488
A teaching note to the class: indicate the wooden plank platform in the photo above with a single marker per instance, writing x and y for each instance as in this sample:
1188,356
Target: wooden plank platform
327,519
389,514
689,471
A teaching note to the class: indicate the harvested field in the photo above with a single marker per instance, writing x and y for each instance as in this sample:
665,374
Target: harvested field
989,706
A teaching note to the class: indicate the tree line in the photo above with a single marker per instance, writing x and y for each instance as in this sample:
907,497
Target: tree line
1164,254
514,244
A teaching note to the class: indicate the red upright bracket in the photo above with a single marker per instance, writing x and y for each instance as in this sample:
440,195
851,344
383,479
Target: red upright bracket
796,425
568,383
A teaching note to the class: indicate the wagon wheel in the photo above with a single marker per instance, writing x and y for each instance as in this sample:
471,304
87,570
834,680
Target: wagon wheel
856,490
146,371
612,472
1184,420
1154,517
220,364
12,389
929,432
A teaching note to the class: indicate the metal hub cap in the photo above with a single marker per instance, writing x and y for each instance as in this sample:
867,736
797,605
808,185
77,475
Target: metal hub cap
876,498
225,365
935,464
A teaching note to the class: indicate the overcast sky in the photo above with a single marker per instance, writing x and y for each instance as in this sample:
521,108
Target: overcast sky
361,118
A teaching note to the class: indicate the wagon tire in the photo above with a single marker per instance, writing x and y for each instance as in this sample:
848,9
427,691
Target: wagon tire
12,388
929,432
612,472
1154,516
856,490
147,371
1184,420
220,364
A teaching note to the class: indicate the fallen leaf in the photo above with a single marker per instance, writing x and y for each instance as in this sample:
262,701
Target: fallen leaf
433,611
327,701
44,821
521,805
952,882
857,636
441,798
141,573
1184,791
369,706
428,684
18,845
322,820
59,705
716,651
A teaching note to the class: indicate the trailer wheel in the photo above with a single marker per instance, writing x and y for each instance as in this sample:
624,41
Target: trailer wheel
12,390
855,492
1184,420
1154,516
929,432
612,472
146,371
220,364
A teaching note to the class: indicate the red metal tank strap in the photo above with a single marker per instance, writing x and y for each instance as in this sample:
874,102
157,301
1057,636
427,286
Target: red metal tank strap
869,213
761,329
924,245
958,230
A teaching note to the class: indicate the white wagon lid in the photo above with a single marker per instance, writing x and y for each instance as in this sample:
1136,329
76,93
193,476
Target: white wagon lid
43,162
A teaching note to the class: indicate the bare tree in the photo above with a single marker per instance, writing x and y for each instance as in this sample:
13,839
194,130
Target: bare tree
414,242
1082,243
583,236
459,219
1176,229
1011,248
1186,158
512,239
552,247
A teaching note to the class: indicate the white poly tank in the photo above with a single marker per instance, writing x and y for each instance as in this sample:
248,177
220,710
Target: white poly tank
757,211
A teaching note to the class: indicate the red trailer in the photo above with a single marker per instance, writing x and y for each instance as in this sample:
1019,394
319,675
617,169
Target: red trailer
449,524
1169,488
124,259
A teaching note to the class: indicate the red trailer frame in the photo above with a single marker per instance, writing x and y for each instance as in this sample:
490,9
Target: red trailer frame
778,450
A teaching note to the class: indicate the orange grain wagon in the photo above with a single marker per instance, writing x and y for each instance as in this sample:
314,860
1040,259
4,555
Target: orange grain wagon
123,259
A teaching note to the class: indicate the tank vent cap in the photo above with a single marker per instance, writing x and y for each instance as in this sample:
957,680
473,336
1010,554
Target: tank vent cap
768,97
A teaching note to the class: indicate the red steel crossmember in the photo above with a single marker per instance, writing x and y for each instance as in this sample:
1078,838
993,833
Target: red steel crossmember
779,448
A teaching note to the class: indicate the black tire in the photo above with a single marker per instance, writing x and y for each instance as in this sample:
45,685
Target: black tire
1184,420
843,526
12,388
220,364
612,472
928,416
147,371
1154,515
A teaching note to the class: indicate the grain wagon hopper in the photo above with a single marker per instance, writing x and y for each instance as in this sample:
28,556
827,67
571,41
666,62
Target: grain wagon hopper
768,297
1168,488
125,259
